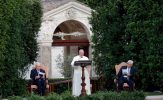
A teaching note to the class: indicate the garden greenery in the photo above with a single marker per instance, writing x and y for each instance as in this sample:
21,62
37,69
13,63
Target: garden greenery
19,24
128,29
97,96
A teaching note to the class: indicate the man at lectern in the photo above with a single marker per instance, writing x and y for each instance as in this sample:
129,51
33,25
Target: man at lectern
76,82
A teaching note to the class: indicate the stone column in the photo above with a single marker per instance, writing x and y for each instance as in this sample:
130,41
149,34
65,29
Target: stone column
44,57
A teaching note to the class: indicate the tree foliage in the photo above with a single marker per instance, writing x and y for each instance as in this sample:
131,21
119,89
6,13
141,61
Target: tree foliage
64,63
94,3
129,29
19,23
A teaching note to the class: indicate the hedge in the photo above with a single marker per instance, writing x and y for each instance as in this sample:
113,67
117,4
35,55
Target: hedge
137,95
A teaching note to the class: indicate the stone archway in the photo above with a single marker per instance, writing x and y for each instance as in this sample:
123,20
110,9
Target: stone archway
65,17
71,33
68,38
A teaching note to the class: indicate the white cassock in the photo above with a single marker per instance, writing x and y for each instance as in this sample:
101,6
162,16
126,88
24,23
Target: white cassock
76,82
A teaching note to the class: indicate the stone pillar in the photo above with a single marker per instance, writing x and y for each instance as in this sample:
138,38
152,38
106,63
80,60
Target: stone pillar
44,57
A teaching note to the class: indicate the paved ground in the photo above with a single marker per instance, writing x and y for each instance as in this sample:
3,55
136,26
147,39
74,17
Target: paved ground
159,97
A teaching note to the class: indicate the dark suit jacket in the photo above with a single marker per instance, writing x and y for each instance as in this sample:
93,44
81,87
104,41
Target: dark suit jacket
34,73
132,73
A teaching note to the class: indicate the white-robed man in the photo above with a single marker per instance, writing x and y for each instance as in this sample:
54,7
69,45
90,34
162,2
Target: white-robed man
76,82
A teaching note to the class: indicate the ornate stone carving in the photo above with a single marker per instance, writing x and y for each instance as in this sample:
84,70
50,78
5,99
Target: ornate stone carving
71,13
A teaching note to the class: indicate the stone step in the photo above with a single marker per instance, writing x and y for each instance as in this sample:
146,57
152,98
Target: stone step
157,97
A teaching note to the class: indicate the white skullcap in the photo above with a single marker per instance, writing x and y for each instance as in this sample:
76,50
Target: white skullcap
130,62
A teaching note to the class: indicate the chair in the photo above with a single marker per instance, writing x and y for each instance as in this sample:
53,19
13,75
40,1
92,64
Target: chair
34,87
117,69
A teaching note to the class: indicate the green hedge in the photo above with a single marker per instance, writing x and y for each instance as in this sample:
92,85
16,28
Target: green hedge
115,96
97,96
15,98
53,96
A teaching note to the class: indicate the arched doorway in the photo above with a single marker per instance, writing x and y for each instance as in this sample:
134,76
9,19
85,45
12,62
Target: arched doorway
68,38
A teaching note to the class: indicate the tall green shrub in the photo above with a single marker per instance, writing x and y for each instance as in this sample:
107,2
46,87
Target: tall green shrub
20,21
128,29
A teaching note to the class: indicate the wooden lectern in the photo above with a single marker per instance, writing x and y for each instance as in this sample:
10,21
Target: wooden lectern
83,63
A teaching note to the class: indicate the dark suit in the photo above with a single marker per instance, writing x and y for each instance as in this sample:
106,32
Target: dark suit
40,82
129,80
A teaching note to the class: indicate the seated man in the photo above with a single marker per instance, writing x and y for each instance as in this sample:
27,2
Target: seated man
126,75
38,77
